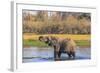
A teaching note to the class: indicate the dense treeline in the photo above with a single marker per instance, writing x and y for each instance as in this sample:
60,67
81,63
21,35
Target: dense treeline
46,22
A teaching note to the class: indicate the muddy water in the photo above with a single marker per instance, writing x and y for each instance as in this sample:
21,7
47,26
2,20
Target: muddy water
36,54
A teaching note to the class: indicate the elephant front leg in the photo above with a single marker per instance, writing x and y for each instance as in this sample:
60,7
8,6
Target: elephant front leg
56,55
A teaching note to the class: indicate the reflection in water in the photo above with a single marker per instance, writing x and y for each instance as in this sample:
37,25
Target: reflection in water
35,54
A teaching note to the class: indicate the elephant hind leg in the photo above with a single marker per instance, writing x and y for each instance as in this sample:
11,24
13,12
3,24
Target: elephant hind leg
72,52
69,55
73,55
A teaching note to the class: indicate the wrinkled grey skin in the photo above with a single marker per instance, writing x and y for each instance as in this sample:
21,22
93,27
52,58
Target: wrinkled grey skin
60,46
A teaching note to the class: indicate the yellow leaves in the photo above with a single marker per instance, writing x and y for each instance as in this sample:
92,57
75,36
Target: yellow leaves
56,22
74,37
71,20
84,22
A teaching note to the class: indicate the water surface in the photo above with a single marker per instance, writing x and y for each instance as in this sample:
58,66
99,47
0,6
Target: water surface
36,54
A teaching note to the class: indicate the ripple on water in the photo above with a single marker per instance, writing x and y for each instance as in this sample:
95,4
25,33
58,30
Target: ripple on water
35,54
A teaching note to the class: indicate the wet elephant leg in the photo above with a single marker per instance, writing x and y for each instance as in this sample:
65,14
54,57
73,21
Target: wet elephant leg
56,56
56,52
69,55
73,54
59,54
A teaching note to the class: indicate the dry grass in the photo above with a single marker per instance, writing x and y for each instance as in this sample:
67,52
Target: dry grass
27,36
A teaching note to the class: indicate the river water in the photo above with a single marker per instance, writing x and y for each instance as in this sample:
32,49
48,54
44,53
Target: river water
36,54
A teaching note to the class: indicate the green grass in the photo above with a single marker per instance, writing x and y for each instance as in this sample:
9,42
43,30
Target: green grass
35,43
83,43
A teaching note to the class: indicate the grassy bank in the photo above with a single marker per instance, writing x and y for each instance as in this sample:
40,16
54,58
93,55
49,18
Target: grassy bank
35,43
81,43
30,39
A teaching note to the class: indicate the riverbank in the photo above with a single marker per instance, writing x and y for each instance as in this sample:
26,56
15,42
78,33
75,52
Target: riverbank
36,43
31,40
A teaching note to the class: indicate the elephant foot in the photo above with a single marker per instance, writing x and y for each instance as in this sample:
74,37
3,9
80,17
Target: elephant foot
71,58
57,59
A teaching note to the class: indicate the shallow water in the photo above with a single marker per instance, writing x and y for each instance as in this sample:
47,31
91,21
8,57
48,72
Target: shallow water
35,54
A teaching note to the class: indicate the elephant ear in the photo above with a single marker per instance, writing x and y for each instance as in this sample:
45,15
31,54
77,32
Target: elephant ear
40,38
48,38
54,38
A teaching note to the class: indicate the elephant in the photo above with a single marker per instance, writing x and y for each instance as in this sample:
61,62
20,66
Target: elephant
61,45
